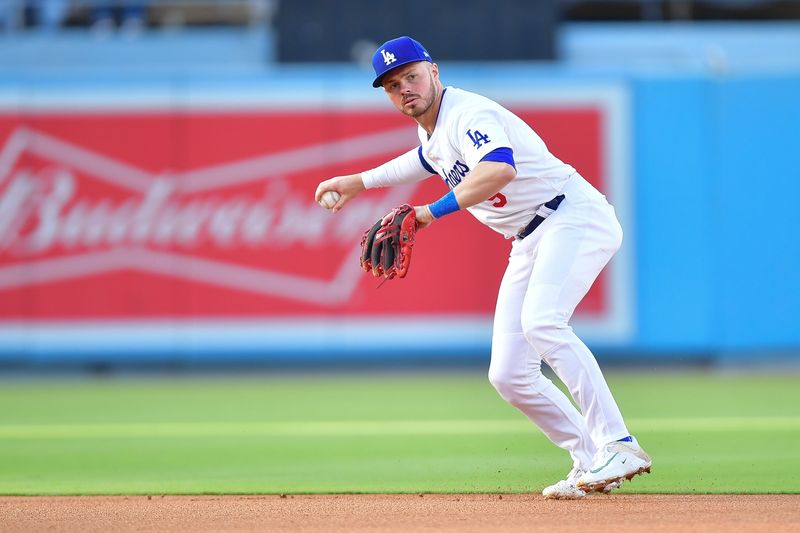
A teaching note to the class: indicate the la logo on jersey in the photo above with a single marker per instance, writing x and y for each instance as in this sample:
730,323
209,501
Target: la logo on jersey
478,139
388,57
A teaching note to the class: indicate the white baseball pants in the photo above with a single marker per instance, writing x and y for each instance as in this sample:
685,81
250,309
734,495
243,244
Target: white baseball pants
548,274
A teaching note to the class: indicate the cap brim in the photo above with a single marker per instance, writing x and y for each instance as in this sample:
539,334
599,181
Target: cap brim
378,83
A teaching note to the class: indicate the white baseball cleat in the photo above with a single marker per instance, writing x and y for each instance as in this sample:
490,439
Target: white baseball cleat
565,489
614,463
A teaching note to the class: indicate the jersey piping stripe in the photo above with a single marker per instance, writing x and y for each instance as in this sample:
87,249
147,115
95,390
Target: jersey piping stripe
425,164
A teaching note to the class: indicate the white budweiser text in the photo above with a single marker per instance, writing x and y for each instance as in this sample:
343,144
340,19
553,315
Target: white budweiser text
44,211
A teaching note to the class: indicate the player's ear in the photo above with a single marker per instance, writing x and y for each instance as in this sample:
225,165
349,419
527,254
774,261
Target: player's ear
435,71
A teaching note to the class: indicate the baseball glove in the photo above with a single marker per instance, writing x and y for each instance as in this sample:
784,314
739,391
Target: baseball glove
386,246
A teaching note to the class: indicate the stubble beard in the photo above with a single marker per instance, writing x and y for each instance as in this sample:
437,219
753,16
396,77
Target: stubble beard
428,101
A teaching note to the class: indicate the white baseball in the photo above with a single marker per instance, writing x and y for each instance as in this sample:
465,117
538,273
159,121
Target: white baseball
329,199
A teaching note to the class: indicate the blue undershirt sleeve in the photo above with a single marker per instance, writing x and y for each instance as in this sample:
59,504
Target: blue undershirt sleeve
501,155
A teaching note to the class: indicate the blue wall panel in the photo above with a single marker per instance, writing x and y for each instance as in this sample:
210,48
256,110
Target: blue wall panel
672,180
756,206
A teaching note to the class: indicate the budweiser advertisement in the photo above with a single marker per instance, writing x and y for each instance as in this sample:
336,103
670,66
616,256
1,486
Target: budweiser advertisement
193,229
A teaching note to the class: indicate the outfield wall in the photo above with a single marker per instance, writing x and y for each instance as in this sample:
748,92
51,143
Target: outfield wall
173,220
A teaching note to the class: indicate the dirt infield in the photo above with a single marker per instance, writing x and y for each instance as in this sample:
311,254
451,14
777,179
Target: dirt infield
470,512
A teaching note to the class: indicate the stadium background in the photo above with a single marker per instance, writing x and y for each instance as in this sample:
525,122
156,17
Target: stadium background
690,126
217,119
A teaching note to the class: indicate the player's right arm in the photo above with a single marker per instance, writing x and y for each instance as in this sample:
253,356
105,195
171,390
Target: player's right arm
407,168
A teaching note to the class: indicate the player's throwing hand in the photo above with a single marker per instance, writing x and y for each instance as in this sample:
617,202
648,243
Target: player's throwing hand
348,187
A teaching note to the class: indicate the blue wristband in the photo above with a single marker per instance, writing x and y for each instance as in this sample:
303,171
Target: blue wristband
444,206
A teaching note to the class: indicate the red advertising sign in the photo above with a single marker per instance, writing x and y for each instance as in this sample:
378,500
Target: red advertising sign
163,214
210,215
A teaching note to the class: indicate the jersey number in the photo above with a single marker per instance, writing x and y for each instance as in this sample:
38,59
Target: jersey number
498,200
478,139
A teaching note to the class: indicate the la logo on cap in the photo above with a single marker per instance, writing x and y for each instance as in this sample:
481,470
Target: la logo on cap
396,53
388,57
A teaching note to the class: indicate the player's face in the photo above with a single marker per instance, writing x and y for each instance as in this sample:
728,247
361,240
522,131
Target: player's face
412,88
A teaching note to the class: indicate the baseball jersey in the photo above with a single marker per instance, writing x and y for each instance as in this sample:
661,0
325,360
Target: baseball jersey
468,128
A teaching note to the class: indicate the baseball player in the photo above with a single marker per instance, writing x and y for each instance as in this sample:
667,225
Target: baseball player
563,232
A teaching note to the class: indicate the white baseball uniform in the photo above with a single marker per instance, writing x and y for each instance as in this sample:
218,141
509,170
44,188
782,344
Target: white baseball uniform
549,271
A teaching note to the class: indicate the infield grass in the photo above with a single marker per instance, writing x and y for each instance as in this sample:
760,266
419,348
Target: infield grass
707,433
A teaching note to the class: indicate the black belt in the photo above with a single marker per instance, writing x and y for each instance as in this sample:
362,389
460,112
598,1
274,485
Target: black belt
542,213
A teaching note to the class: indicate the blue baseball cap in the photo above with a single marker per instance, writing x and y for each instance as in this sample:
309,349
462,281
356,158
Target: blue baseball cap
396,53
